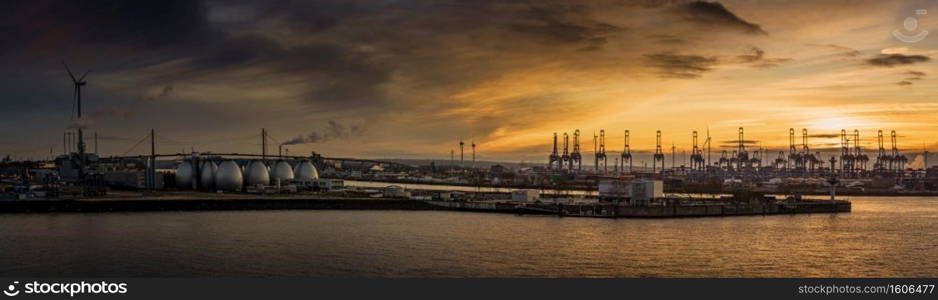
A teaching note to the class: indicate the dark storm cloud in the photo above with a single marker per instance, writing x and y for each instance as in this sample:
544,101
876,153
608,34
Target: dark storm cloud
165,92
667,39
311,17
914,75
565,24
353,77
756,56
346,51
840,50
338,76
555,23
672,65
765,65
102,32
238,51
891,60
715,14
342,65
911,77
127,36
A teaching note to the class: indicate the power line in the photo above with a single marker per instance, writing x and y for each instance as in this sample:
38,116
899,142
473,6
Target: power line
144,138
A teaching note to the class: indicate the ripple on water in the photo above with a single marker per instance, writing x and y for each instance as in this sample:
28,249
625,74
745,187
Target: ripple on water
882,237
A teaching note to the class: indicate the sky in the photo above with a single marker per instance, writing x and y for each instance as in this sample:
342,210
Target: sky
409,79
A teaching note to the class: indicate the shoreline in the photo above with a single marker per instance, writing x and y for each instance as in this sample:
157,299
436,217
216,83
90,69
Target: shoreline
594,210
670,190
207,204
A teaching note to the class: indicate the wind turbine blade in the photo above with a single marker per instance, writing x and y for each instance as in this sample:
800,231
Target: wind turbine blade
69,71
83,76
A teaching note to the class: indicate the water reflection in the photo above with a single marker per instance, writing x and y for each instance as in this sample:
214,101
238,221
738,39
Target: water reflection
882,237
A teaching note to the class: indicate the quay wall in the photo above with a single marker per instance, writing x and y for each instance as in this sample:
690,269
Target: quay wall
143,205
585,210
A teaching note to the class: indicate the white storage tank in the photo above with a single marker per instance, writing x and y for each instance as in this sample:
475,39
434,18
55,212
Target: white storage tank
257,174
229,177
305,171
282,171
209,169
184,175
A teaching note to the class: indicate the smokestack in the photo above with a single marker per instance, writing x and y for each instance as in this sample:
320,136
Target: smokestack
473,154
152,176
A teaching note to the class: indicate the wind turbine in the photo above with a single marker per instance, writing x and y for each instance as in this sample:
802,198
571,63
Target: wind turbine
76,98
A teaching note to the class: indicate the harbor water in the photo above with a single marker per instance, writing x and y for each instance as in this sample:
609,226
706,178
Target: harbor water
881,237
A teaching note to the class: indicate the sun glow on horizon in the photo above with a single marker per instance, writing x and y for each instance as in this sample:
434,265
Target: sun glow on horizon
837,123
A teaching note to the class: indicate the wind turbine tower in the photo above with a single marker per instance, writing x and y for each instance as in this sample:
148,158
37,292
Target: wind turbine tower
461,157
473,154
76,98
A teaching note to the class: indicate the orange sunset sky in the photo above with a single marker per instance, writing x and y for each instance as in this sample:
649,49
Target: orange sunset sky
407,79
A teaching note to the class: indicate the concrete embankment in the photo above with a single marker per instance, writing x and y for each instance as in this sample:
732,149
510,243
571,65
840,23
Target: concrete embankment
722,210
606,210
596,210
142,205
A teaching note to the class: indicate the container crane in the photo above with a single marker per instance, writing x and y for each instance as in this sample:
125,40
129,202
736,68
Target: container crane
554,157
626,153
659,155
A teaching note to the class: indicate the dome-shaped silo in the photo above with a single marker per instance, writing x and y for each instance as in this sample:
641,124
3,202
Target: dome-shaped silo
306,171
257,173
228,177
209,169
184,175
282,171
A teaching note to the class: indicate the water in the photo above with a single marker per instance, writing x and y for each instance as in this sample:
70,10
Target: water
882,237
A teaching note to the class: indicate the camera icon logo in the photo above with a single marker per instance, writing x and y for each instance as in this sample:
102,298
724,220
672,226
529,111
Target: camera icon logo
11,289
910,24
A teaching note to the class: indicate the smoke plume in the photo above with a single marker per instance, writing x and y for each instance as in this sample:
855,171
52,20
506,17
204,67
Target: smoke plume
333,131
